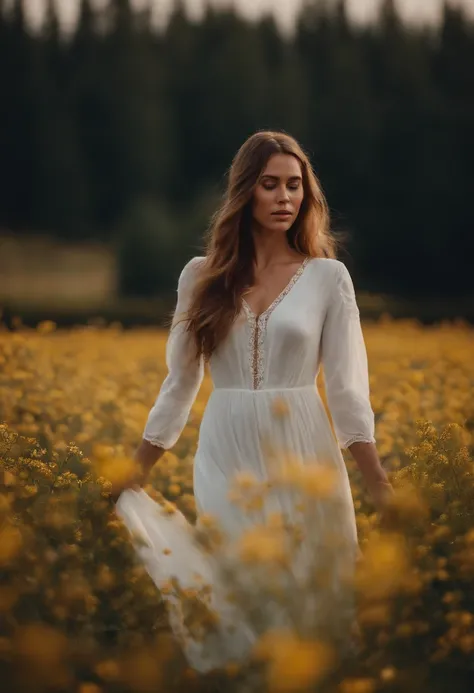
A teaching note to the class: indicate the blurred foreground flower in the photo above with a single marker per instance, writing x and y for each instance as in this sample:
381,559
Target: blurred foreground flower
312,479
118,471
293,664
42,654
10,543
263,544
382,572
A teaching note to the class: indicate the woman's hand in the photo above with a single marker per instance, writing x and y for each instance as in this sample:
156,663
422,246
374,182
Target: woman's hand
145,457
118,490
376,479
382,495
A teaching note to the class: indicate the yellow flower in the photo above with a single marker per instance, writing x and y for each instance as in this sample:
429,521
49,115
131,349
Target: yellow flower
43,652
10,543
89,688
118,471
245,480
5,505
105,579
142,671
374,614
469,536
384,566
280,408
262,544
275,520
108,670
466,643
232,669
440,533
294,664
318,481
409,503
46,327
388,674
362,685
9,479
168,508
166,588
206,520
9,595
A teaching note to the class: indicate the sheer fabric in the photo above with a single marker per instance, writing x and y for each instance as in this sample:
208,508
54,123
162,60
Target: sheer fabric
268,363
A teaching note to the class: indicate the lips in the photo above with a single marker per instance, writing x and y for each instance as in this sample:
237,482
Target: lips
281,214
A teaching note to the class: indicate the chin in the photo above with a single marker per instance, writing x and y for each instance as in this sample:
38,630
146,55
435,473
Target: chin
275,228
281,223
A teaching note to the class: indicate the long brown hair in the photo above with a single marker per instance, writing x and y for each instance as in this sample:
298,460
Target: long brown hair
228,267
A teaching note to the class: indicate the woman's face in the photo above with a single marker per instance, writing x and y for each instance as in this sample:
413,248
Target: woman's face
279,189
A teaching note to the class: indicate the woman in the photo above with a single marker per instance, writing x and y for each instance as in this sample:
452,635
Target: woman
265,307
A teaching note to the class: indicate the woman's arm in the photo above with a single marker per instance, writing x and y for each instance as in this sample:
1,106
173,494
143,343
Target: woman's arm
172,406
346,377
146,456
169,414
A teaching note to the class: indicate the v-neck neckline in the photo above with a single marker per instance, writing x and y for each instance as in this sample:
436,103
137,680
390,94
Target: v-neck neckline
286,290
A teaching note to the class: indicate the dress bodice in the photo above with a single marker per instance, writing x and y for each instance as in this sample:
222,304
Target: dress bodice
315,320
280,347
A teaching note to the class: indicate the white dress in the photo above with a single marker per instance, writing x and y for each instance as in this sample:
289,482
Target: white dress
274,358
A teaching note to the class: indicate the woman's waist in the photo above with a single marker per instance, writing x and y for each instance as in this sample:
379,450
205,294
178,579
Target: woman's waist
270,390
246,414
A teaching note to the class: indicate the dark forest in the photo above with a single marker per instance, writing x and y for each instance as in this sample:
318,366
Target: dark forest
124,133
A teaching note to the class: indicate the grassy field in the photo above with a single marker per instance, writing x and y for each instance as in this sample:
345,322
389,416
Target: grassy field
79,614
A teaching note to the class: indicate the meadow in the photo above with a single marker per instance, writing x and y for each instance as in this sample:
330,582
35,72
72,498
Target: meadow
78,613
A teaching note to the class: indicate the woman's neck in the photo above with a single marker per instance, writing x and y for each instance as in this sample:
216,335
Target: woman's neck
272,248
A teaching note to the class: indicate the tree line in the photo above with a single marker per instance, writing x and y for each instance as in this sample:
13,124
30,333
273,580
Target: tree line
124,133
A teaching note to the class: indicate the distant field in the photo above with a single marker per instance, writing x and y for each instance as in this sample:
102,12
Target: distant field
43,279
135,311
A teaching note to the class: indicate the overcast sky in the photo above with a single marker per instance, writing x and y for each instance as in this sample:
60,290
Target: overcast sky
284,10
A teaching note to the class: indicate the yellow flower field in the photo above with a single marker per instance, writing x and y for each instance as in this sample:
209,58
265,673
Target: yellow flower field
77,611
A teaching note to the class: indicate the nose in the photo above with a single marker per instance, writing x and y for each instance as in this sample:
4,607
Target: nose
283,195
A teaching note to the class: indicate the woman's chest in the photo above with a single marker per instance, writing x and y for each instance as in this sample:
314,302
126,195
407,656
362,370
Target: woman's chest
270,289
295,325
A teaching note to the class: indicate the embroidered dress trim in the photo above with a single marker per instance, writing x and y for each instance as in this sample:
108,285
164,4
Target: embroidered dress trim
258,327
155,441
358,439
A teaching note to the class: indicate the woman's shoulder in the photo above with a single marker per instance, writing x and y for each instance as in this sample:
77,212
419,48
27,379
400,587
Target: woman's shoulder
330,267
194,263
190,269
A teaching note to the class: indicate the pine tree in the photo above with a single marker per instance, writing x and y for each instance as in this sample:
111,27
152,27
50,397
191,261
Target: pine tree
453,69
286,103
60,194
51,35
18,134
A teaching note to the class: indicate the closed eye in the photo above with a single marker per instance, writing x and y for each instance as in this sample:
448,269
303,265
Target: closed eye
290,187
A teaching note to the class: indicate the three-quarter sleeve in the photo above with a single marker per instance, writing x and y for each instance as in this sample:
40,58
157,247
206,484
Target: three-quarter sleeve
345,366
171,409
